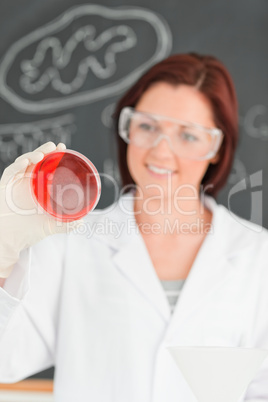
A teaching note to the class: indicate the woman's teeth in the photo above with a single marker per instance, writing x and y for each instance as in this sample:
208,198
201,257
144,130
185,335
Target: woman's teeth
159,170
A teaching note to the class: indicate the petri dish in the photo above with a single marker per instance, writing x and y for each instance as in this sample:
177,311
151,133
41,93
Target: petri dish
66,185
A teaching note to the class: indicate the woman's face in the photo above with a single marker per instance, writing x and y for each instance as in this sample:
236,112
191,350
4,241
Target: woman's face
181,102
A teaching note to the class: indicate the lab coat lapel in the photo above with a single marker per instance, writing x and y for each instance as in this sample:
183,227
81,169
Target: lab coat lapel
211,268
131,258
135,264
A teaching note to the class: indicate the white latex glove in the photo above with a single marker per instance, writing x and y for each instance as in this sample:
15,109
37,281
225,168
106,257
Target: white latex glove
21,229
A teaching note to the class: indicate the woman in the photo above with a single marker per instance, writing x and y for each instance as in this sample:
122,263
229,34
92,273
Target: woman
93,303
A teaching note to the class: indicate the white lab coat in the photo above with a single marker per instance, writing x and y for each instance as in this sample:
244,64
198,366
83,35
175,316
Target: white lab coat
92,305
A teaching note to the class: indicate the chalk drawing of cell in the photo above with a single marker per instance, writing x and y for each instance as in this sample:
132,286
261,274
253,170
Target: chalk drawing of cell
18,138
88,53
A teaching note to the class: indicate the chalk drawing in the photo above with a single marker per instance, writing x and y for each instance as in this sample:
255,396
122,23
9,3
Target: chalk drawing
119,38
18,138
62,57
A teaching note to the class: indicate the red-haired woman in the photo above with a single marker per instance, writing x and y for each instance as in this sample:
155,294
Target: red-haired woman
164,265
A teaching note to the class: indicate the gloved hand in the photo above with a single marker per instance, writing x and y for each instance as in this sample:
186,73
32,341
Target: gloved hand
22,224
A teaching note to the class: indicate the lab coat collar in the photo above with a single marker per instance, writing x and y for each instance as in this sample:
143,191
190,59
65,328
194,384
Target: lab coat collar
115,225
130,254
133,261
118,220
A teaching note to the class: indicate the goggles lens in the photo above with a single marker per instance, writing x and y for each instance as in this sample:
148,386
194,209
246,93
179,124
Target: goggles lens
187,140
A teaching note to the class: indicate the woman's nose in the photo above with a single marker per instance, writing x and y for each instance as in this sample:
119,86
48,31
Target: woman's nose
163,145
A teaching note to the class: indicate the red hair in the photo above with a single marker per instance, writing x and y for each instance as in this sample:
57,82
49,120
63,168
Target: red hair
212,80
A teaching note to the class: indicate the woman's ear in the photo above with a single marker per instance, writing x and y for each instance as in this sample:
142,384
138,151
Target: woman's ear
215,160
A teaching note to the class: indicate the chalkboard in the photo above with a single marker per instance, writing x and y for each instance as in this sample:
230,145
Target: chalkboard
64,65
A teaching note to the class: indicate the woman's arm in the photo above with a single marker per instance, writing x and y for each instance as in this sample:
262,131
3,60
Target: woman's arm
21,223
29,310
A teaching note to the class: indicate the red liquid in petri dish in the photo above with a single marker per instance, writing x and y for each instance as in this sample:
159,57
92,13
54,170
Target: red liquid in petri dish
66,185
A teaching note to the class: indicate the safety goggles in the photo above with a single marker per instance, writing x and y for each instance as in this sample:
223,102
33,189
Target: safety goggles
187,140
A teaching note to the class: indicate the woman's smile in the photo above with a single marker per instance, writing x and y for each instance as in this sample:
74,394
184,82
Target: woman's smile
160,171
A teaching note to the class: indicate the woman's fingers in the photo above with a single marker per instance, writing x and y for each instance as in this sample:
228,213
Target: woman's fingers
46,148
61,147
23,161
33,157
50,146
13,169
38,154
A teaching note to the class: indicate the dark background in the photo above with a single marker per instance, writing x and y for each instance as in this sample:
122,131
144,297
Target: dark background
78,111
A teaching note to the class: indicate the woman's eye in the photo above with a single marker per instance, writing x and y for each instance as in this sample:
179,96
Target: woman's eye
147,127
188,137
